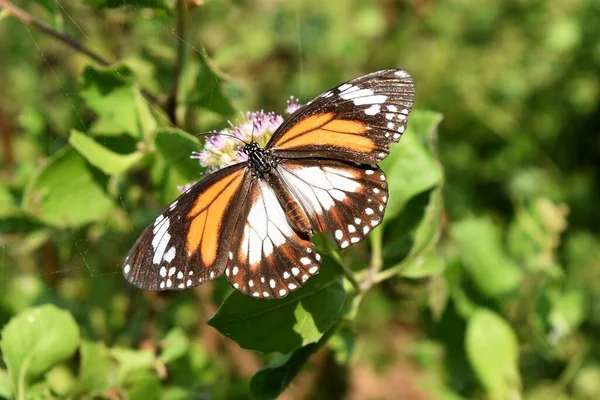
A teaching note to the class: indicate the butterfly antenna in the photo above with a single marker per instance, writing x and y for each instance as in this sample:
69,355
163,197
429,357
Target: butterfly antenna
222,134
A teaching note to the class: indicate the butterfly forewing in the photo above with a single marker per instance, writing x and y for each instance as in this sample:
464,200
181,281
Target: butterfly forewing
356,121
185,245
345,199
269,258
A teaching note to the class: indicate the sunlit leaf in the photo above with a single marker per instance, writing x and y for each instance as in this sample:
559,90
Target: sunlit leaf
35,340
114,95
492,349
411,167
100,157
5,385
66,193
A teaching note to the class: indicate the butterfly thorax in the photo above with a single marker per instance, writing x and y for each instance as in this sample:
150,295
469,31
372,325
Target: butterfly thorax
259,159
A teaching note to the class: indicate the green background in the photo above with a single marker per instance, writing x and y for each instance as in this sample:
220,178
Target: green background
482,283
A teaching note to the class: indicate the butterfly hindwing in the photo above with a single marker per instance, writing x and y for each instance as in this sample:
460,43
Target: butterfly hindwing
185,246
343,198
268,258
356,121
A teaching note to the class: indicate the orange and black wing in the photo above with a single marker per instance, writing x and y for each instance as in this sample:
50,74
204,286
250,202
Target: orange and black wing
269,257
343,198
356,121
186,245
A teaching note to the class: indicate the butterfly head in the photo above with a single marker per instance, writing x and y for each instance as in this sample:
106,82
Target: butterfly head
258,158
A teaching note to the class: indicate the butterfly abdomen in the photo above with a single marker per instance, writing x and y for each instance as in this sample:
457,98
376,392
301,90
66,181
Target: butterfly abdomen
292,208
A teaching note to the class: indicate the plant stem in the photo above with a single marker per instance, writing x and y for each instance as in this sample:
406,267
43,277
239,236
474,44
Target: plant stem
376,258
347,271
181,50
28,19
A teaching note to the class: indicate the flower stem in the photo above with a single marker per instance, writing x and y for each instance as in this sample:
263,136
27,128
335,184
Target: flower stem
376,258
347,271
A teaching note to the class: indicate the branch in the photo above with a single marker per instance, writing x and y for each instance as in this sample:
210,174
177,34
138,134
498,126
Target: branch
28,19
172,101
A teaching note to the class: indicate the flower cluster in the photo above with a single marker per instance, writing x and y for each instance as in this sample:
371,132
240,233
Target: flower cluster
223,148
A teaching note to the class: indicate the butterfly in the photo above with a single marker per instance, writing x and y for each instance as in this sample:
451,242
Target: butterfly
252,221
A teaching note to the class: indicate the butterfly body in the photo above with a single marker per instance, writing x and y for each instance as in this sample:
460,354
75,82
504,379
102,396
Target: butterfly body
252,221
259,159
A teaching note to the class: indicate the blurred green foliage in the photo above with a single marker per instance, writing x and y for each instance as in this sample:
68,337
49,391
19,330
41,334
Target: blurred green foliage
487,280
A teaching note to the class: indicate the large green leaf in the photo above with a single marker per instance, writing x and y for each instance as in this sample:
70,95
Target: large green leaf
34,341
493,352
287,324
106,160
114,95
66,193
411,167
483,255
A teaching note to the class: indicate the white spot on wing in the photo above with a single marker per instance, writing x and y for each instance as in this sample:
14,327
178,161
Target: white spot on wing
170,255
373,110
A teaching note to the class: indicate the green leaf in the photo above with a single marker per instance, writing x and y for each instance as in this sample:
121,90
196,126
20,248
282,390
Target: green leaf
174,345
116,98
416,247
426,264
166,179
208,91
145,386
287,324
60,379
49,5
411,168
492,349
481,251
65,192
107,161
158,4
5,385
97,370
176,147
132,362
34,341
270,382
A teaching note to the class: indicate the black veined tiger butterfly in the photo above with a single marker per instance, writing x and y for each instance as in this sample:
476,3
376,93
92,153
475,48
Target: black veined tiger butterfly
252,221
